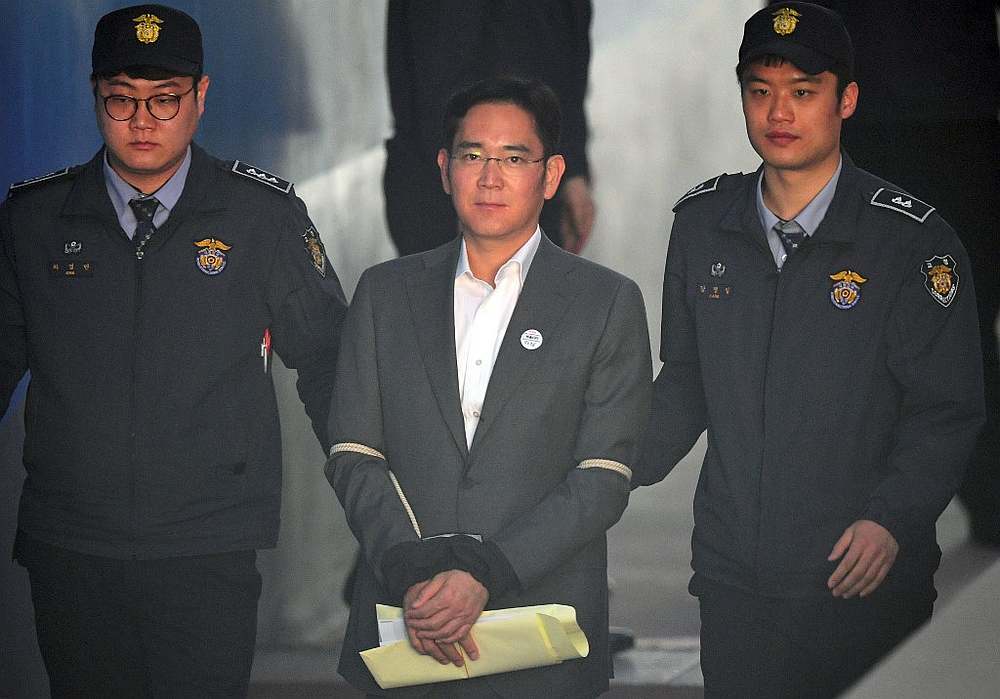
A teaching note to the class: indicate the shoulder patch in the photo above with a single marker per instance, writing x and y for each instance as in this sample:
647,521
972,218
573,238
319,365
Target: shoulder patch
699,189
24,184
902,203
941,278
262,176
314,248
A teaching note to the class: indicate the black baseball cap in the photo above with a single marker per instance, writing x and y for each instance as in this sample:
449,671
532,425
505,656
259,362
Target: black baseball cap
813,38
147,35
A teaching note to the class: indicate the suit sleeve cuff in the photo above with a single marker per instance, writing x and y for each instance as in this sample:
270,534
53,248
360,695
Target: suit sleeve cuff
408,563
487,564
878,511
411,562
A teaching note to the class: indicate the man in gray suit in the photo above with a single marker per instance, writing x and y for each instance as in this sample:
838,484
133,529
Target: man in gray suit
490,396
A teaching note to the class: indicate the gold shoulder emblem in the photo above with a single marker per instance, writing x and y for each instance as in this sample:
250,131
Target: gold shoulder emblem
147,28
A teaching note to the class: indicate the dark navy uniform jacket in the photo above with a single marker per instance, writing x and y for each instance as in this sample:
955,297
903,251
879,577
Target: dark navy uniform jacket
151,425
824,404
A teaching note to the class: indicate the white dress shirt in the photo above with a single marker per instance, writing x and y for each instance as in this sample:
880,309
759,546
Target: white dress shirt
482,313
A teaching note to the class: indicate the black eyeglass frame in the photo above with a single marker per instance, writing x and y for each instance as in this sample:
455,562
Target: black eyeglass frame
136,100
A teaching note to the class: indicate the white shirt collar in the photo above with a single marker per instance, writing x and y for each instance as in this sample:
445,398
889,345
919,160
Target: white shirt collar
523,257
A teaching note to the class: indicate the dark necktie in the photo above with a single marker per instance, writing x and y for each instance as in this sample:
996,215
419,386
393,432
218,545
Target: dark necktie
790,234
144,209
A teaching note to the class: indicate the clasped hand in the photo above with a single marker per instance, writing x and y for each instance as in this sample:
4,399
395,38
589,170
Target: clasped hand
440,612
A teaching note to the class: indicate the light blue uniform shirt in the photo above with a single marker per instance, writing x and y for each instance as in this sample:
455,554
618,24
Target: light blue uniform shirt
809,218
121,193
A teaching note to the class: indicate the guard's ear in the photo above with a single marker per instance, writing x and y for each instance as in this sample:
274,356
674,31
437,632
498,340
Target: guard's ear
849,100
201,91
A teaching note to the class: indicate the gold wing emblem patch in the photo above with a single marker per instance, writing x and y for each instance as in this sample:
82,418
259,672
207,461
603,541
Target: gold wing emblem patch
211,255
846,292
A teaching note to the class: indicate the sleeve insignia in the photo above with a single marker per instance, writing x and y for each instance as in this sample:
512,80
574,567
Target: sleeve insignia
35,180
703,188
314,247
902,203
941,278
262,176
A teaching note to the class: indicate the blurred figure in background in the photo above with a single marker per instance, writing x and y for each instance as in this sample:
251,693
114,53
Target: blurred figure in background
435,47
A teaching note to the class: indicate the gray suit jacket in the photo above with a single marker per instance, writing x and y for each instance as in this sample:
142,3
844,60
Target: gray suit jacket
548,472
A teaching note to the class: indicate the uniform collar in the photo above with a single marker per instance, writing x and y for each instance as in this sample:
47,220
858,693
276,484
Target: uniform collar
838,225
121,192
90,196
812,215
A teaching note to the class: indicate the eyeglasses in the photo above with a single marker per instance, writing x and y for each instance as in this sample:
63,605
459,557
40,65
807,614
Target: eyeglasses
162,107
468,160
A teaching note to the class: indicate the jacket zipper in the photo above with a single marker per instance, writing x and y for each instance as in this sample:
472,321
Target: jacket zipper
763,412
133,485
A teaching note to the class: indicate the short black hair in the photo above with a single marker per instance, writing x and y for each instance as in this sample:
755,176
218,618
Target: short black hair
533,96
843,73
147,73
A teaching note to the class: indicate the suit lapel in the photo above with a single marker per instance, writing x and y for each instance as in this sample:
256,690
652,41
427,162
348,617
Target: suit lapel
542,307
431,296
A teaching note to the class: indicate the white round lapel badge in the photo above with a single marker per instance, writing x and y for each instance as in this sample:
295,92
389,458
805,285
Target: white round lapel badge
531,339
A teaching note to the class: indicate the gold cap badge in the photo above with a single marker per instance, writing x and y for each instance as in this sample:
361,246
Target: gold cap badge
147,28
785,21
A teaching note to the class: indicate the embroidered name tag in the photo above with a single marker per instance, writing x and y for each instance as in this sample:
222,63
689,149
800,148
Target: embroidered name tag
715,292
71,269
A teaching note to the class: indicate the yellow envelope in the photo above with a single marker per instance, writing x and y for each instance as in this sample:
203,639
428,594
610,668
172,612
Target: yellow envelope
516,638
